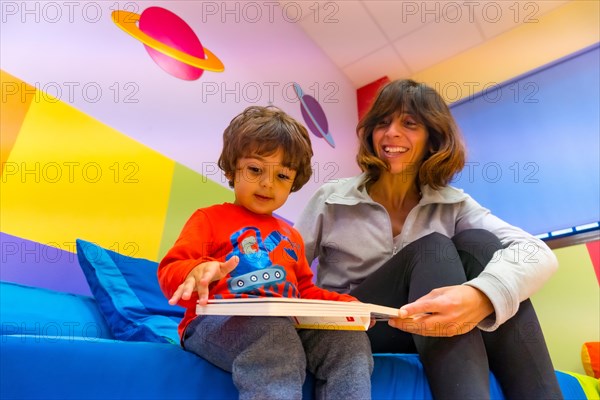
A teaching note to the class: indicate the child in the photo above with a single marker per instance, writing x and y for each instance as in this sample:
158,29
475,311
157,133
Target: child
266,155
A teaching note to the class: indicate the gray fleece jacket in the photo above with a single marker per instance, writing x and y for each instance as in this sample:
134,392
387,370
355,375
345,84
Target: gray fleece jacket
351,236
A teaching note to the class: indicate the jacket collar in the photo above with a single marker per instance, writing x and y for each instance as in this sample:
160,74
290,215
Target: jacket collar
352,191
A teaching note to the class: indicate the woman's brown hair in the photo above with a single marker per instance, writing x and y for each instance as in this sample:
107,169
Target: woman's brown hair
446,155
262,131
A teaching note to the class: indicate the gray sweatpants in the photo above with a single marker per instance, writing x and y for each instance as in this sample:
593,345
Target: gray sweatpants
268,357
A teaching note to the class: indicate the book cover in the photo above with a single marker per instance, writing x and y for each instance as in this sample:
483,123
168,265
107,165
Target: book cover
306,313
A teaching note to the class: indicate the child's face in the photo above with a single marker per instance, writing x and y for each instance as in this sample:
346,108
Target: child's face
261,183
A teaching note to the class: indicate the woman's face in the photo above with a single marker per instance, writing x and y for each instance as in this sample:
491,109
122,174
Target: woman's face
401,141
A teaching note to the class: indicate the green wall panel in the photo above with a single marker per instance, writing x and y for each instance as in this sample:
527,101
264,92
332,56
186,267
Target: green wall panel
189,191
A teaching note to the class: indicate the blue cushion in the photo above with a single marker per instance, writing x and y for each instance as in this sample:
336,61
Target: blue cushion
44,313
128,295
108,369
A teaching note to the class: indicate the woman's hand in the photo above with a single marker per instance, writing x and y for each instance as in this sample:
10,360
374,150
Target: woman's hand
200,277
446,311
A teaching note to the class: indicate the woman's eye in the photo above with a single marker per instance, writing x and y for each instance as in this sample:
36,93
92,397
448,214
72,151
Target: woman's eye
383,122
410,123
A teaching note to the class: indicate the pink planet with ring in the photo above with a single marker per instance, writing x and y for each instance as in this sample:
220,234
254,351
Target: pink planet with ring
170,42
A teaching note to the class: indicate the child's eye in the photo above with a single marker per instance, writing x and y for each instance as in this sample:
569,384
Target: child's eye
383,122
283,177
254,170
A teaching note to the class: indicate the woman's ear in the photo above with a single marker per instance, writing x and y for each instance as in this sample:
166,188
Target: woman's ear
433,147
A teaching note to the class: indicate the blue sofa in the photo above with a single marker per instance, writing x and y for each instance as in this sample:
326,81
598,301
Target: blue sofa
56,345
119,340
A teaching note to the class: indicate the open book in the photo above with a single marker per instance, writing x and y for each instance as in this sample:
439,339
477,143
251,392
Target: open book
306,313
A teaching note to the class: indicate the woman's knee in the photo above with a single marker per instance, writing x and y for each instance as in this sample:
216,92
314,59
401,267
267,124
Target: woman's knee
434,247
433,238
479,243
476,248
472,238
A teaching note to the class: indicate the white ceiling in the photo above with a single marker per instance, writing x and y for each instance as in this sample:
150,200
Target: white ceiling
369,39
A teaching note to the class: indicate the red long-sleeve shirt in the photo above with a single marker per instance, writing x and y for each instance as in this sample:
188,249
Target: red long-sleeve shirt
271,252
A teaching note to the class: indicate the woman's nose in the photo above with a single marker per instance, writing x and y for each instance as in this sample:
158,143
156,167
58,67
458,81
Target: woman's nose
393,130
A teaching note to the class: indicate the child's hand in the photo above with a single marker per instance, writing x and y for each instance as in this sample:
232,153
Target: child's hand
200,277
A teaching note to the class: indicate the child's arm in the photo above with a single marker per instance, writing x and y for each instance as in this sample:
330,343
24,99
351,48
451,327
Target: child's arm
181,268
200,277
306,286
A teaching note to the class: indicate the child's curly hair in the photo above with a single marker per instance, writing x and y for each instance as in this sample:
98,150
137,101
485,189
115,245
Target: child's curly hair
262,131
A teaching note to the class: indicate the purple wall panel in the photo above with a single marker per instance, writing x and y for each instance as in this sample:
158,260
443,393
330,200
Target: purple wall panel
52,267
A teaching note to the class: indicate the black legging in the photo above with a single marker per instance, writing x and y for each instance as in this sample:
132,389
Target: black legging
458,367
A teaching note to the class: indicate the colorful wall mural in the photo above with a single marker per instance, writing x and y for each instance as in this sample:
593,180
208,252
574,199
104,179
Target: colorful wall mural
103,138
121,140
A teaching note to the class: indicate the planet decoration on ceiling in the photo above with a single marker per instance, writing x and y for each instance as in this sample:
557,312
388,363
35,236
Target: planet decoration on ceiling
314,116
169,41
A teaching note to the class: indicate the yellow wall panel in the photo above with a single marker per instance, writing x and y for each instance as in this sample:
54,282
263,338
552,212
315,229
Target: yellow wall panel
69,176
568,308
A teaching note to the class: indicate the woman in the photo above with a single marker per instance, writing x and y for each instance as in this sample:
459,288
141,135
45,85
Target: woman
400,236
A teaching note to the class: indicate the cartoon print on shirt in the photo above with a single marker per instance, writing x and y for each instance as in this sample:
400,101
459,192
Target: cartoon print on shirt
255,269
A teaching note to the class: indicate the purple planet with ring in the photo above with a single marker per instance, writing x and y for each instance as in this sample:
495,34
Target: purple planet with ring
314,116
